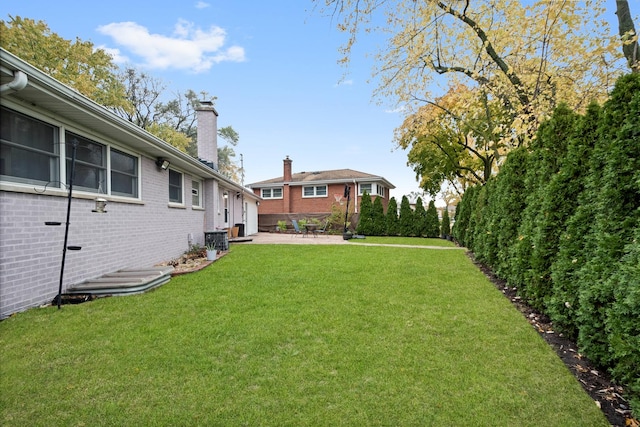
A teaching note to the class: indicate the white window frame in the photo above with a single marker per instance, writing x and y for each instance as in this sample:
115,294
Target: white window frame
361,191
136,177
200,202
375,189
268,193
316,193
62,138
180,188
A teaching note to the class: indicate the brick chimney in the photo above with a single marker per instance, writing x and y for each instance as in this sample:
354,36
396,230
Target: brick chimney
286,190
286,177
207,137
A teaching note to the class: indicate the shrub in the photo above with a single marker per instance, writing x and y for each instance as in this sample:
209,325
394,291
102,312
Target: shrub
406,218
377,218
419,219
432,222
365,224
445,228
391,218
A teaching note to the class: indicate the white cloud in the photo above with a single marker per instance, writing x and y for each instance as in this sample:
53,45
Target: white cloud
118,58
344,83
400,109
189,47
202,5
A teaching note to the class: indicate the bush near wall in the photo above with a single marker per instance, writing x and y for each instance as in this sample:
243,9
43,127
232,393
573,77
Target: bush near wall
561,222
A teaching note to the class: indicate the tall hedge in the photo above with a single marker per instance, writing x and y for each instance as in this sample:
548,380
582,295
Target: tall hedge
537,244
419,219
391,218
615,216
406,218
445,226
565,198
432,222
508,202
377,218
561,222
365,223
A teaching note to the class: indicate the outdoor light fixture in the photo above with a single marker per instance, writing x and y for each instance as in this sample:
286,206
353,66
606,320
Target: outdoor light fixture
163,163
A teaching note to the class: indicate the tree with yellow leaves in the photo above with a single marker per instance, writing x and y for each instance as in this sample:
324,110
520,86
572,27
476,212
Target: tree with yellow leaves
78,64
521,59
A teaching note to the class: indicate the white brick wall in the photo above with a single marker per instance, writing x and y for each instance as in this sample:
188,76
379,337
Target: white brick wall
128,235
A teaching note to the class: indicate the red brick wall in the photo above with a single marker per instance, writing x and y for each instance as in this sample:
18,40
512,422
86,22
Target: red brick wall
300,205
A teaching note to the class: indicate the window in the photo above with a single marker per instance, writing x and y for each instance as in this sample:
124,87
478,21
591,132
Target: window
272,193
91,164
175,186
196,200
314,191
371,189
28,149
124,174
365,188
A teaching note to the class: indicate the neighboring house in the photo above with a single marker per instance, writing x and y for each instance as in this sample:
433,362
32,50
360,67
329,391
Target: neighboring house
312,194
159,199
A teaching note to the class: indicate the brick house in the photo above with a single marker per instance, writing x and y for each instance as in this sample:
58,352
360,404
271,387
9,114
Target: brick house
312,194
159,199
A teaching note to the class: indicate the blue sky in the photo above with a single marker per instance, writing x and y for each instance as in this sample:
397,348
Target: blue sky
272,66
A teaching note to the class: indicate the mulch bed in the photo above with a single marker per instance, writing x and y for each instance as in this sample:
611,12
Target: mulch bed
189,263
609,396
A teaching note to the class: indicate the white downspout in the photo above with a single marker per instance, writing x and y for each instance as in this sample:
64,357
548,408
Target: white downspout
355,187
19,82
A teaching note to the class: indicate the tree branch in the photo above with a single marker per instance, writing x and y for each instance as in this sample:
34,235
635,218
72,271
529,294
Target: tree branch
506,70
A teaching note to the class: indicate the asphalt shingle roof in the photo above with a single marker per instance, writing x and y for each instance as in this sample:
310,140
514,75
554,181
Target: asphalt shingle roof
322,176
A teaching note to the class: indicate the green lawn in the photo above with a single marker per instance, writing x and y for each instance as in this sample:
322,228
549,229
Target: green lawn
293,335
411,241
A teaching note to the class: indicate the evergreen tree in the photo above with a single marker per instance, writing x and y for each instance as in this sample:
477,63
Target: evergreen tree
391,218
406,218
445,228
615,213
432,221
464,210
377,218
508,203
534,252
561,201
365,223
419,219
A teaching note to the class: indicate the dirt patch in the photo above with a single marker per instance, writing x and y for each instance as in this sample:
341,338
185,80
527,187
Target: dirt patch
608,396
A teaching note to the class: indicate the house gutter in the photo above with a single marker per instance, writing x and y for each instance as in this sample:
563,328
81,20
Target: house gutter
19,82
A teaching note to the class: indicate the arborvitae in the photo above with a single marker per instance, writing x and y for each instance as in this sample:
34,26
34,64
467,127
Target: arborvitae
623,320
564,197
622,316
377,218
537,247
484,241
419,219
406,218
432,221
445,227
365,223
508,202
614,216
464,210
391,218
